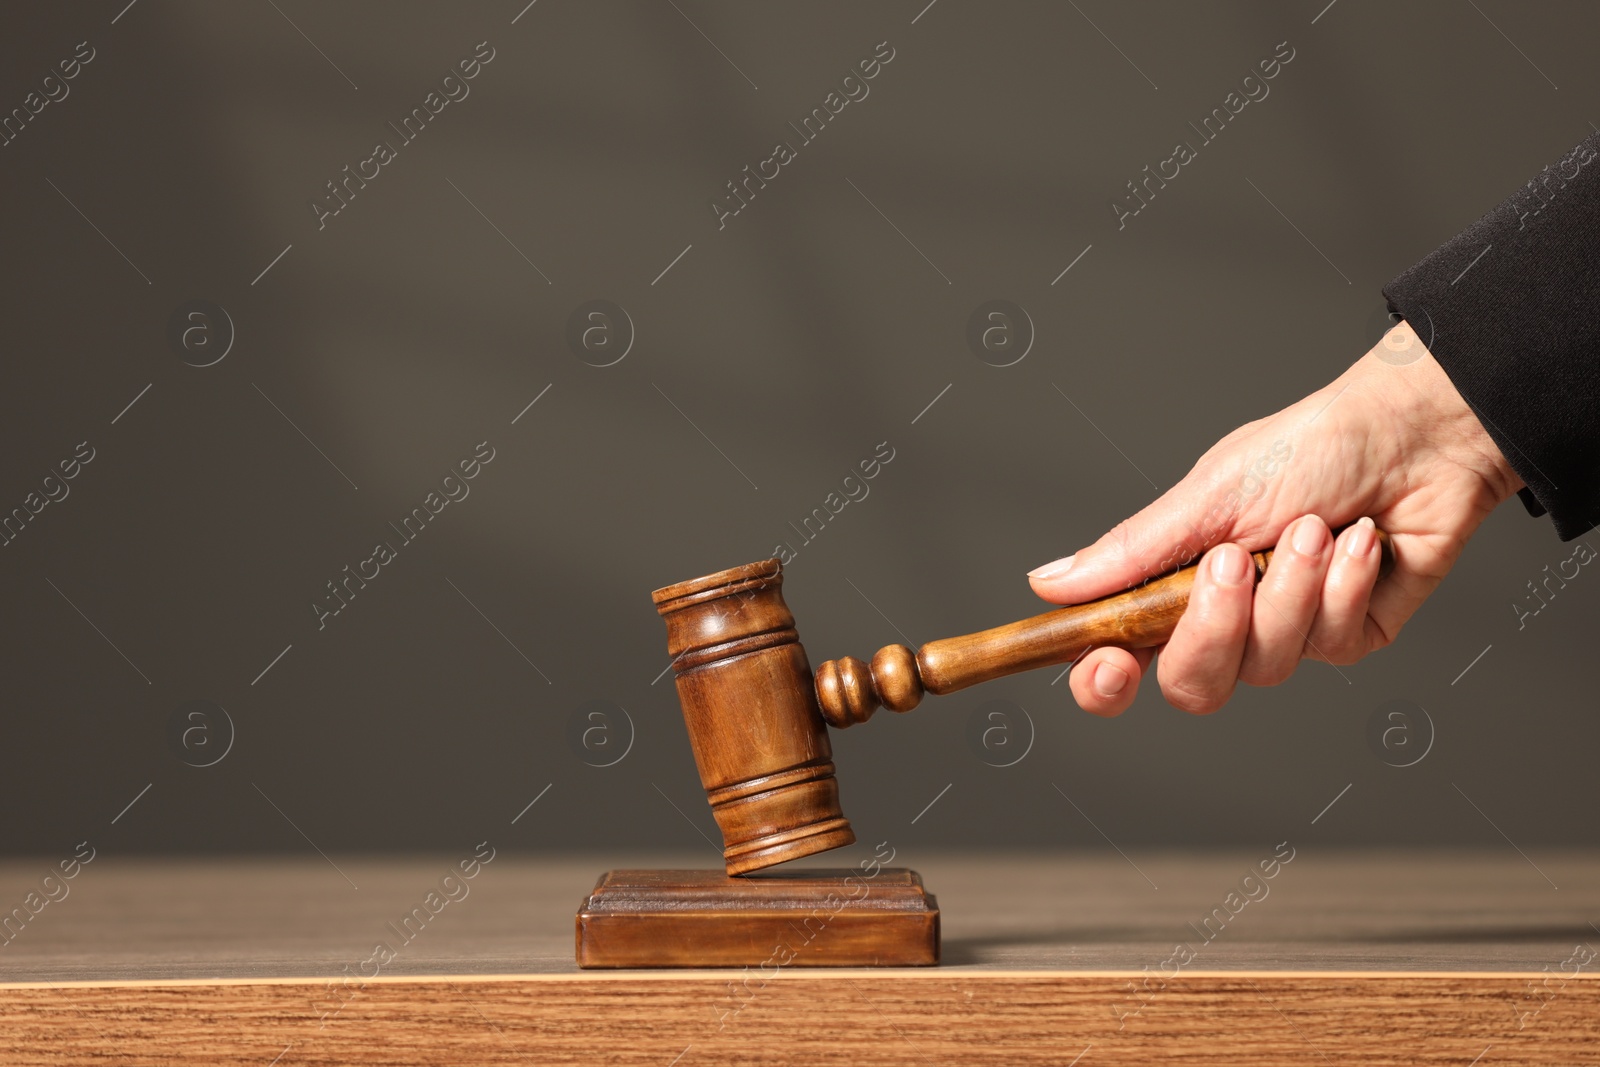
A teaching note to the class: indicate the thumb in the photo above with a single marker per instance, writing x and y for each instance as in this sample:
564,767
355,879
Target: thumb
1176,529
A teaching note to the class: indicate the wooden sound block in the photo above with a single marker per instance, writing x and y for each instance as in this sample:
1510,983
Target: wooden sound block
803,918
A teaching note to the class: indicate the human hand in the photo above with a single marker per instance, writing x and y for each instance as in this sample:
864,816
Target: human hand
1389,442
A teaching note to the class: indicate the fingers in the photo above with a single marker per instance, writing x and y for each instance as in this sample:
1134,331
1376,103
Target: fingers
1199,666
1149,544
1105,681
1286,602
1312,602
1339,635
1185,521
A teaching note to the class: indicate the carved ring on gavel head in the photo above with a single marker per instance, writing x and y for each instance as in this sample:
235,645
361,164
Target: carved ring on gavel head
750,704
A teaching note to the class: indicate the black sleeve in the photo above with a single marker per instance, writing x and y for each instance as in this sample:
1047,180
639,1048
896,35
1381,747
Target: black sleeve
1510,308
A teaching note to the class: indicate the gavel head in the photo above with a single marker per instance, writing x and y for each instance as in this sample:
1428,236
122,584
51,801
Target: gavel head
751,708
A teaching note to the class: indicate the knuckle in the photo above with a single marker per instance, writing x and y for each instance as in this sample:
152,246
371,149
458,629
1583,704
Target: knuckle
1341,653
1196,700
1221,616
1265,673
1298,582
1257,678
1378,637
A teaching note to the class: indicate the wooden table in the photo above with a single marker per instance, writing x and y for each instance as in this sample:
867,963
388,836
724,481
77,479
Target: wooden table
1405,957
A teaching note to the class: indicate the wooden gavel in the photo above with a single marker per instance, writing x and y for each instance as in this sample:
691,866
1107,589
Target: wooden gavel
756,717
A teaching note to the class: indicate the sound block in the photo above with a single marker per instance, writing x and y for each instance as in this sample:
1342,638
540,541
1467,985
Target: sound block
803,918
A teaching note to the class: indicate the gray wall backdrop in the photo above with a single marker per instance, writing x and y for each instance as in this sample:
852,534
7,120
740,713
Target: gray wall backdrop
768,357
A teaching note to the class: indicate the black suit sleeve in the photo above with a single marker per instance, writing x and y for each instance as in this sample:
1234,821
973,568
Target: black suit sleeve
1510,308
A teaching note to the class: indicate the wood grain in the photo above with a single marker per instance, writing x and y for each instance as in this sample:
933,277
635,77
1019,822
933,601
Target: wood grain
749,703
871,917
901,1017
850,691
1373,957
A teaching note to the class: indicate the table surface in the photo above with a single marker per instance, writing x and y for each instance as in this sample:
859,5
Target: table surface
1347,911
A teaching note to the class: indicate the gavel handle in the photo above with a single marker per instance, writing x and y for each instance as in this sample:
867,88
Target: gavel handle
849,691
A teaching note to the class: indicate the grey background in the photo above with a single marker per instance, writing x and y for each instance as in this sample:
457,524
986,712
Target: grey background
797,338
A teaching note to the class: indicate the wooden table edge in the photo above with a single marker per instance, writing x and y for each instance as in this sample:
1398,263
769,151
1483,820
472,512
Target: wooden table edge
828,974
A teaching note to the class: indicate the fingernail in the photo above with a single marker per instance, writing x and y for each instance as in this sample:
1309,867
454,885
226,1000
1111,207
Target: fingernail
1053,570
1109,680
1309,537
1229,564
1362,538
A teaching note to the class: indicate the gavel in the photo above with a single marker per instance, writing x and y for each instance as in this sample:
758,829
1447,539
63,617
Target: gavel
758,719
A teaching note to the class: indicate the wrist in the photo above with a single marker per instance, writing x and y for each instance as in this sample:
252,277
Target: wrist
1409,376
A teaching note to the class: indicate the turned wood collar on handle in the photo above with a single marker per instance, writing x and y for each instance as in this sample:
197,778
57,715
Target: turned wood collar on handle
849,691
